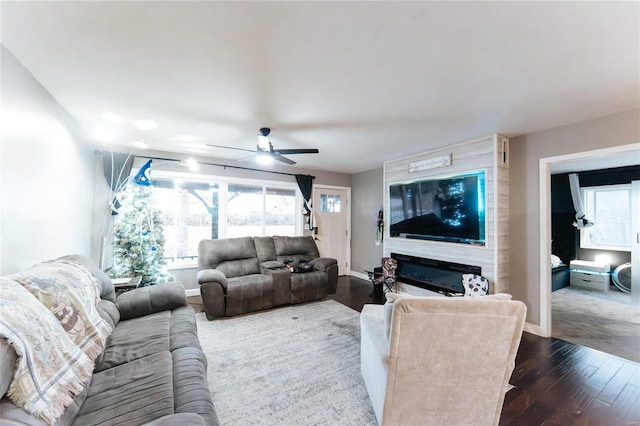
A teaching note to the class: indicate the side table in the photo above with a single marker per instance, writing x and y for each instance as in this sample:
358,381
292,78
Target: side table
374,277
125,284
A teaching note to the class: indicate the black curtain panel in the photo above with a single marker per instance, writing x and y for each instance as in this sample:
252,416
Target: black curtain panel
305,183
116,168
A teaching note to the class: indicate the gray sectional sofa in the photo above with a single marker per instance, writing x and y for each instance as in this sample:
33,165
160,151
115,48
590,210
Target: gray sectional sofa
240,275
152,370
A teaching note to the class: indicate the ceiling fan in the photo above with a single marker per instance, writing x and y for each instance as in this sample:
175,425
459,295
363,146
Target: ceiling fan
265,153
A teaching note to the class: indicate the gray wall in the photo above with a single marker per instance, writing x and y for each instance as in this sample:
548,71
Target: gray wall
367,198
526,152
46,174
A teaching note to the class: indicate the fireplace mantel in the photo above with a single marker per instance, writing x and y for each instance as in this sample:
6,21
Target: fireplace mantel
489,154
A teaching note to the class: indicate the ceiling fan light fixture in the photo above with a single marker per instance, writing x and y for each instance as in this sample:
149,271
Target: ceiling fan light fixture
141,143
263,143
191,164
264,158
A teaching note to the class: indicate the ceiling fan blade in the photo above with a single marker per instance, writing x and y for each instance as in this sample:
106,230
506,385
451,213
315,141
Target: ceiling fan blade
296,151
277,156
232,147
248,158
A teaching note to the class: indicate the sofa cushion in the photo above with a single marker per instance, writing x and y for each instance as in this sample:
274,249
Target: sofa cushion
249,293
182,419
295,248
233,256
238,268
265,249
191,391
12,415
136,338
323,263
140,337
132,393
211,275
183,331
109,312
309,286
148,300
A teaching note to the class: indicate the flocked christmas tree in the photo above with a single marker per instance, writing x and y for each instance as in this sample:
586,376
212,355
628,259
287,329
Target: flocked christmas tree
139,240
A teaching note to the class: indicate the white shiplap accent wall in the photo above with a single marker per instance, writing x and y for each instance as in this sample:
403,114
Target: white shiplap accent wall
470,156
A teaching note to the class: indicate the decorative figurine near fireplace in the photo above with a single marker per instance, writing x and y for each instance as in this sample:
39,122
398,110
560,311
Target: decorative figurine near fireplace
475,285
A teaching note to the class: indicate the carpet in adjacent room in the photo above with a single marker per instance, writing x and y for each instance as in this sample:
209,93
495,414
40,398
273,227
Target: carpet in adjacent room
606,321
287,366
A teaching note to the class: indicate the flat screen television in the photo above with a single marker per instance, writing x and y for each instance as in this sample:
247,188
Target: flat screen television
450,208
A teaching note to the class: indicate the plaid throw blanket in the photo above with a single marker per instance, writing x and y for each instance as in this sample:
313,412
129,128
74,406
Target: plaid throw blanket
71,292
50,368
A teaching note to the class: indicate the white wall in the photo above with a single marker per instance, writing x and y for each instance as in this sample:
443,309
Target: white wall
46,174
526,152
469,156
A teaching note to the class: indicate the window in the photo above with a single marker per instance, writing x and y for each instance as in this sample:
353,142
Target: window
190,214
329,203
609,208
193,210
260,211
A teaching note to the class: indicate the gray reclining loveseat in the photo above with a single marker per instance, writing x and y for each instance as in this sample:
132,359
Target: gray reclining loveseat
240,275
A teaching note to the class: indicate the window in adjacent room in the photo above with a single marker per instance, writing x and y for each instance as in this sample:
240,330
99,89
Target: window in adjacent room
609,208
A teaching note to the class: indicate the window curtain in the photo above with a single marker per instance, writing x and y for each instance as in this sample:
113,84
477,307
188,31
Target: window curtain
305,183
576,195
116,168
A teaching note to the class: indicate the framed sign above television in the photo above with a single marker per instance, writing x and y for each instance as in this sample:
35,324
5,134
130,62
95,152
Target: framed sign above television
449,208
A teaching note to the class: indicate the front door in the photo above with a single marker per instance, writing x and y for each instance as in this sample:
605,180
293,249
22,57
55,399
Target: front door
331,207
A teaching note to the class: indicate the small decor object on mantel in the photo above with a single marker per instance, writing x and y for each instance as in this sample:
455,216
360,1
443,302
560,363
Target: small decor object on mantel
430,163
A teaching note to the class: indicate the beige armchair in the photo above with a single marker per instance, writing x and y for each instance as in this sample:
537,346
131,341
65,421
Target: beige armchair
446,361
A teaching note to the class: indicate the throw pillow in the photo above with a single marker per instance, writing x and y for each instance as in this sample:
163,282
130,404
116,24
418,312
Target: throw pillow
474,285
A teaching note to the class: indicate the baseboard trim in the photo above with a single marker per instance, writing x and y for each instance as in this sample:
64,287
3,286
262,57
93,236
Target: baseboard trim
192,292
534,329
359,275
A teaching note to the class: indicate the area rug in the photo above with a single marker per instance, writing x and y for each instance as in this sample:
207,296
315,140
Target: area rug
296,365
603,321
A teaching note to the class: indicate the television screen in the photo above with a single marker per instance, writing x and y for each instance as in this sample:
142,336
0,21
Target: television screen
445,209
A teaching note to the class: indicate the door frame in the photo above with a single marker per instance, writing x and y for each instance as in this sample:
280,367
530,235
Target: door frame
546,164
348,190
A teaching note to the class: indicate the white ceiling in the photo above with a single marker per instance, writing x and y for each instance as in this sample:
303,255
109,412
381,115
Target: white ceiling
362,81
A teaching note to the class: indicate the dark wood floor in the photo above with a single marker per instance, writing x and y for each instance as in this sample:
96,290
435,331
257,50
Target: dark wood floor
556,382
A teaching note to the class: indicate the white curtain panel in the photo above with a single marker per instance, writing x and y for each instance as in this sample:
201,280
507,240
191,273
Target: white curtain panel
578,205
